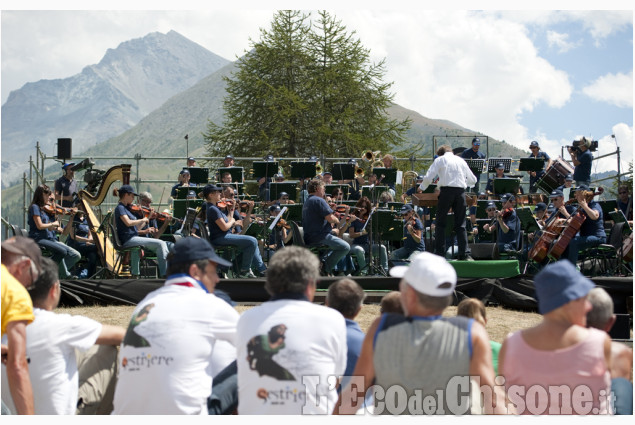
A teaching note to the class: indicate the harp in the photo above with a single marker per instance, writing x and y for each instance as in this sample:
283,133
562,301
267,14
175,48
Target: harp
99,231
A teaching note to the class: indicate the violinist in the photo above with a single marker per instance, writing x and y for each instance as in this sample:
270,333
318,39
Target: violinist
66,186
127,226
184,181
284,199
591,232
562,211
229,197
490,209
280,235
361,245
508,225
152,229
44,227
220,226
413,232
541,216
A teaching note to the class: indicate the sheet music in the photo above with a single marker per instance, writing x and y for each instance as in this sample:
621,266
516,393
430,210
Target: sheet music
275,221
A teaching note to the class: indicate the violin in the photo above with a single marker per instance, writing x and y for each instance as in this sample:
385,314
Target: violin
224,203
141,212
56,209
282,223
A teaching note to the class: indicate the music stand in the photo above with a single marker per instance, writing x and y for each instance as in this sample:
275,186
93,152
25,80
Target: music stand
373,192
303,169
389,227
505,185
294,213
531,164
491,164
430,189
237,173
329,188
476,165
181,192
528,222
275,189
198,175
265,168
390,175
343,171
180,206
609,208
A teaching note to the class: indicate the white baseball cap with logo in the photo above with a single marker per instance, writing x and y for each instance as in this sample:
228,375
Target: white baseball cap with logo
428,274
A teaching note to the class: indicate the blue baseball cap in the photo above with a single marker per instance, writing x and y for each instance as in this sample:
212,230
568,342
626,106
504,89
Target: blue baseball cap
569,178
65,166
187,250
540,206
558,284
405,209
500,165
211,188
555,193
476,141
126,188
582,187
534,144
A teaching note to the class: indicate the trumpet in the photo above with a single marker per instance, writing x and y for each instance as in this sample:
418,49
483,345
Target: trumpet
369,156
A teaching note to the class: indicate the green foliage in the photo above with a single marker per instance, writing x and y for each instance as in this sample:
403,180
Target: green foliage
306,89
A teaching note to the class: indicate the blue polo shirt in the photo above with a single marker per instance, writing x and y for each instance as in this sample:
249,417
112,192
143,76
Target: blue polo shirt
583,171
316,228
213,214
124,232
34,232
409,243
357,226
593,227
544,156
514,227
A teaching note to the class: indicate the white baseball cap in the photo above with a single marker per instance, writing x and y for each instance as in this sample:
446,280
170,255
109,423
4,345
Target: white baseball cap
426,273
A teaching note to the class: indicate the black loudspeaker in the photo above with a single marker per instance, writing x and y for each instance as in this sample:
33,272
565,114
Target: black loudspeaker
622,327
64,148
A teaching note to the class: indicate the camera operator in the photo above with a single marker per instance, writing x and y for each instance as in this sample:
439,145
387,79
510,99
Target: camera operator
582,159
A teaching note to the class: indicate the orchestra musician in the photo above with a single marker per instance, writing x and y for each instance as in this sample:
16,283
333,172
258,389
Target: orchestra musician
454,177
562,210
490,209
591,232
327,177
191,162
474,153
625,202
128,225
582,160
361,244
228,161
66,186
226,177
508,225
317,220
284,199
152,228
228,194
500,174
355,190
413,235
279,236
264,182
568,182
388,160
412,190
541,216
534,176
44,228
184,181
80,238
220,226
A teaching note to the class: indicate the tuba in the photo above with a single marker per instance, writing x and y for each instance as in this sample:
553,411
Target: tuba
359,172
409,178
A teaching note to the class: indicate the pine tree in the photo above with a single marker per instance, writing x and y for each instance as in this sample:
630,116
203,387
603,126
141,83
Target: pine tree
304,90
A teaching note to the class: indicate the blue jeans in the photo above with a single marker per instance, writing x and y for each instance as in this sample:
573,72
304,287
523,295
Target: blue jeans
248,245
360,251
159,247
339,249
580,243
403,253
623,391
63,255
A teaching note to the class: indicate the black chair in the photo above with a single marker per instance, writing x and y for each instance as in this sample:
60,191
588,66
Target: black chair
606,259
118,267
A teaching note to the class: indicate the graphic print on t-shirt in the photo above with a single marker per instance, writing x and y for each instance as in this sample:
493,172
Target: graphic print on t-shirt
132,338
260,352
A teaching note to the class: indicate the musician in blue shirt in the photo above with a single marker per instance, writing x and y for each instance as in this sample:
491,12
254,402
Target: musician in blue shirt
591,232
534,176
474,153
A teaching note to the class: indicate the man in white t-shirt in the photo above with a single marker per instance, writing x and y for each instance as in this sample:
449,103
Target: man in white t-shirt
165,361
53,365
290,351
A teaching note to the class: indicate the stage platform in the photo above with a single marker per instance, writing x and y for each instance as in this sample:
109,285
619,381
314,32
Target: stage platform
513,292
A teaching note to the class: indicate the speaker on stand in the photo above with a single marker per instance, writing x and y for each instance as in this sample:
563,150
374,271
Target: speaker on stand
64,148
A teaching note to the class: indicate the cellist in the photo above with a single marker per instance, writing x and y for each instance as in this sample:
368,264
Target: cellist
592,231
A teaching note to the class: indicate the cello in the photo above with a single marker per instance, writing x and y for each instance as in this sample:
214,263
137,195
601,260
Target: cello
541,248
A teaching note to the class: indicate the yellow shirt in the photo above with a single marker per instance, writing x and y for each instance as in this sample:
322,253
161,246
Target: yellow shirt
16,302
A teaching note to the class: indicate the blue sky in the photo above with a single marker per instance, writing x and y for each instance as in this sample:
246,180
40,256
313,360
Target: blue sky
517,76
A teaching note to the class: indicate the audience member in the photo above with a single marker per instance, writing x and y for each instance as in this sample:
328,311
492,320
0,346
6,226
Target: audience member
347,297
559,351
391,303
60,386
601,317
166,356
21,266
475,309
288,347
421,351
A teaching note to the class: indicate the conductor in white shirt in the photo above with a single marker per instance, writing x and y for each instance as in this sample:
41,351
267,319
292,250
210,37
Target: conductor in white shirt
454,177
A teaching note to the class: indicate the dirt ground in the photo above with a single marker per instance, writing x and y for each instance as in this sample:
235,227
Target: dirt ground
500,321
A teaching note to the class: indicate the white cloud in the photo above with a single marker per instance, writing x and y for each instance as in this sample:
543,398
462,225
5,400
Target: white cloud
470,68
559,40
607,144
615,89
